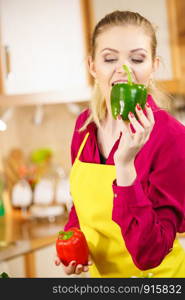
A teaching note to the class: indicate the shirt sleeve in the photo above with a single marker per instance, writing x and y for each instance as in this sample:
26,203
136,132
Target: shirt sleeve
150,220
72,220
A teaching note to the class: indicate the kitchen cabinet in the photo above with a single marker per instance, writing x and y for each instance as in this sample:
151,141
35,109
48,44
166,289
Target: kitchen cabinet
42,53
180,8
36,264
42,264
45,267
27,247
164,15
182,241
13,267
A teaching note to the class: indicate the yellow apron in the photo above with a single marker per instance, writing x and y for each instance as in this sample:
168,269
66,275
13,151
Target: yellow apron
91,190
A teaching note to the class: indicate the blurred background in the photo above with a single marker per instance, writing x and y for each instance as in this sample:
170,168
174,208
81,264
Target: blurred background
44,85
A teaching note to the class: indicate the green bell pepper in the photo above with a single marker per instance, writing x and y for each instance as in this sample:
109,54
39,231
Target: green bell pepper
125,96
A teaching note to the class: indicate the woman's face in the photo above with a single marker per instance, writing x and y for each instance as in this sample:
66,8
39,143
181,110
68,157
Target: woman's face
119,45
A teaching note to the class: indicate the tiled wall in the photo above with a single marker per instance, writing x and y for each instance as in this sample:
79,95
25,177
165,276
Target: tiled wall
55,132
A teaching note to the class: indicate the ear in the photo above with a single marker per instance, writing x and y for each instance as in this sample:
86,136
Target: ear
156,64
91,67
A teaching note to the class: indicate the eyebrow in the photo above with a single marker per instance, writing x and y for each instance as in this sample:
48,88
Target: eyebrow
116,51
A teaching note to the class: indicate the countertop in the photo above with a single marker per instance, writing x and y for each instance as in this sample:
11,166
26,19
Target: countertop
20,235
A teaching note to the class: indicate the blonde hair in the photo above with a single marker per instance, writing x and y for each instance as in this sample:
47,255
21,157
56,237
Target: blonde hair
97,106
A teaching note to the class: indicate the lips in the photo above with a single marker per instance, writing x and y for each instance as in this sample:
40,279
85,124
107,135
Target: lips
119,81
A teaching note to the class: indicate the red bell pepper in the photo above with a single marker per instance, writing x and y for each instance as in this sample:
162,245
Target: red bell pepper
72,245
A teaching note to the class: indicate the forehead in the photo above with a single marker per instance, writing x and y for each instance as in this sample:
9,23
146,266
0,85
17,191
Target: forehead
123,38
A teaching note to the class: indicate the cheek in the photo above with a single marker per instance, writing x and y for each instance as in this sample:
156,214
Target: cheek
103,71
103,78
143,74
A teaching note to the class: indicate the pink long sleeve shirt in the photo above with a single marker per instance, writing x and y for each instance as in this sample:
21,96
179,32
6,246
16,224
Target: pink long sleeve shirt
152,210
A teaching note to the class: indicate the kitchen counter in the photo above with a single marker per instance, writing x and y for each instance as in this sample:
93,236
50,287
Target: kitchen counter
19,235
22,236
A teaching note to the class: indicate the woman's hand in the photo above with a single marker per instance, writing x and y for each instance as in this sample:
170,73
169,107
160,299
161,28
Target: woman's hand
131,143
71,268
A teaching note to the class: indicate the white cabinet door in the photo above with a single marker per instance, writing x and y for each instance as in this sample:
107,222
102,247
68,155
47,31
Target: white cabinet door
182,241
154,11
46,46
45,267
13,267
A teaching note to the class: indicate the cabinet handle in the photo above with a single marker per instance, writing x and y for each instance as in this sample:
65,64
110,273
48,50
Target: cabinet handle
7,61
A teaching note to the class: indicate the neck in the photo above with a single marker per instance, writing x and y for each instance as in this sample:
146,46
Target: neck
110,125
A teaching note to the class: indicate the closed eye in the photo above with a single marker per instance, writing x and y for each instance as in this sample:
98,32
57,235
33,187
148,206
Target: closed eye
137,61
110,60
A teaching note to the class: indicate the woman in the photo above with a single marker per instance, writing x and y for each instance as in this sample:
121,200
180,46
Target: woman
127,179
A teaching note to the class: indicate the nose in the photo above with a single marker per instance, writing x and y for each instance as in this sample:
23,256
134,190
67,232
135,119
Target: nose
119,68
121,71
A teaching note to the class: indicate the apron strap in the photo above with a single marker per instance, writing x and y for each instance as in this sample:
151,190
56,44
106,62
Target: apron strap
82,145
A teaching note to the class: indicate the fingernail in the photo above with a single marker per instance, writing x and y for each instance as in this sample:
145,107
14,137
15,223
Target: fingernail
119,117
147,104
138,107
74,263
131,114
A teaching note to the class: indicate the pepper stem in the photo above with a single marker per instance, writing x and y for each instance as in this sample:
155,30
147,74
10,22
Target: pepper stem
65,235
128,74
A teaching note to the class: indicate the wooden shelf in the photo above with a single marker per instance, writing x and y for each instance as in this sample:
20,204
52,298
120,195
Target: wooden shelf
170,86
46,98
